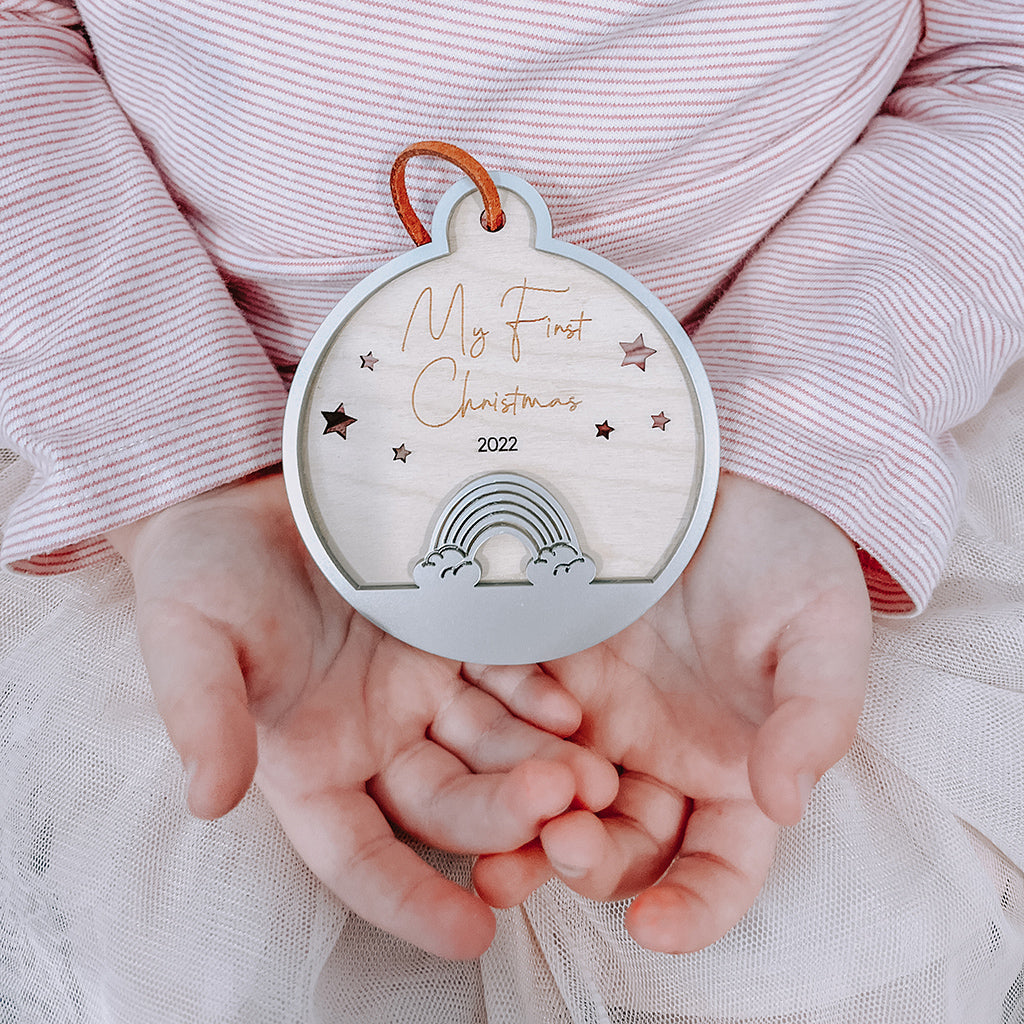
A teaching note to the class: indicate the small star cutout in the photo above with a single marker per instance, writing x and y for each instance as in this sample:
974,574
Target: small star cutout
660,420
401,453
637,353
338,421
603,430
369,361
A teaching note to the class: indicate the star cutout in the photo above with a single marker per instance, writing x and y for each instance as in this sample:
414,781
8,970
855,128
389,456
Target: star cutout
660,420
338,421
637,353
603,430
401,453
369,361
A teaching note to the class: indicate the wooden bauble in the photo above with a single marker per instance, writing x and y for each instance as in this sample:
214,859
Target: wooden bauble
500,447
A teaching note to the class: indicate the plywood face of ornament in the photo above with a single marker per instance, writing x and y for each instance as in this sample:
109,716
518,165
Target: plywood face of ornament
499,445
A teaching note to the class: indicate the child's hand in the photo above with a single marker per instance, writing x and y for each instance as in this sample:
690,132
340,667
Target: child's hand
247,645
723,705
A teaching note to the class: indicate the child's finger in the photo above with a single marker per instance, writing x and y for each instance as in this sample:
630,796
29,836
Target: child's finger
487,738
801,740
505,879
819,687
201,696
624,850
349,846
721,867
431,794
529,692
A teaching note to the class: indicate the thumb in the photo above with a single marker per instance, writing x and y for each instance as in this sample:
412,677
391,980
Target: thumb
820,682
200,692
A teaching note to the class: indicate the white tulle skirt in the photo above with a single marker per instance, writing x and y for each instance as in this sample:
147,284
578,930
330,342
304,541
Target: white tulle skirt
899,898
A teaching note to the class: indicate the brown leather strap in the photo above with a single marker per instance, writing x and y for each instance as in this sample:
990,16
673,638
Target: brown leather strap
493,217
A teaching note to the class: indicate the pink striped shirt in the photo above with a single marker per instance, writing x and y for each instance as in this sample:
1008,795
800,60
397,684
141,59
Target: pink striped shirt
826,191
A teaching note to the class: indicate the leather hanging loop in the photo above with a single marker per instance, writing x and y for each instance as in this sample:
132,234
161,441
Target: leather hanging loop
493,216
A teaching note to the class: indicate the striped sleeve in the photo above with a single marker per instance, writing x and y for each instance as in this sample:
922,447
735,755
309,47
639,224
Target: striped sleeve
119,343
884,309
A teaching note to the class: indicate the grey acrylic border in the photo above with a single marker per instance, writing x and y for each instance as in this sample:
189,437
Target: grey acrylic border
374,604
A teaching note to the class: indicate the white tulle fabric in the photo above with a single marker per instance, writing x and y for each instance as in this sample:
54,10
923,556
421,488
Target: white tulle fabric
899,898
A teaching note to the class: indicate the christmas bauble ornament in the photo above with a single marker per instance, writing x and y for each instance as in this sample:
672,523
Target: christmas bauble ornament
499,447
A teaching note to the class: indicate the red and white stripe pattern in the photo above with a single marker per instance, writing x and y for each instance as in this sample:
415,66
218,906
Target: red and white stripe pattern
180,214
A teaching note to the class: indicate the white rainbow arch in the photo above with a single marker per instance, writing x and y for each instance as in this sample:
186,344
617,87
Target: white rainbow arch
503,503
